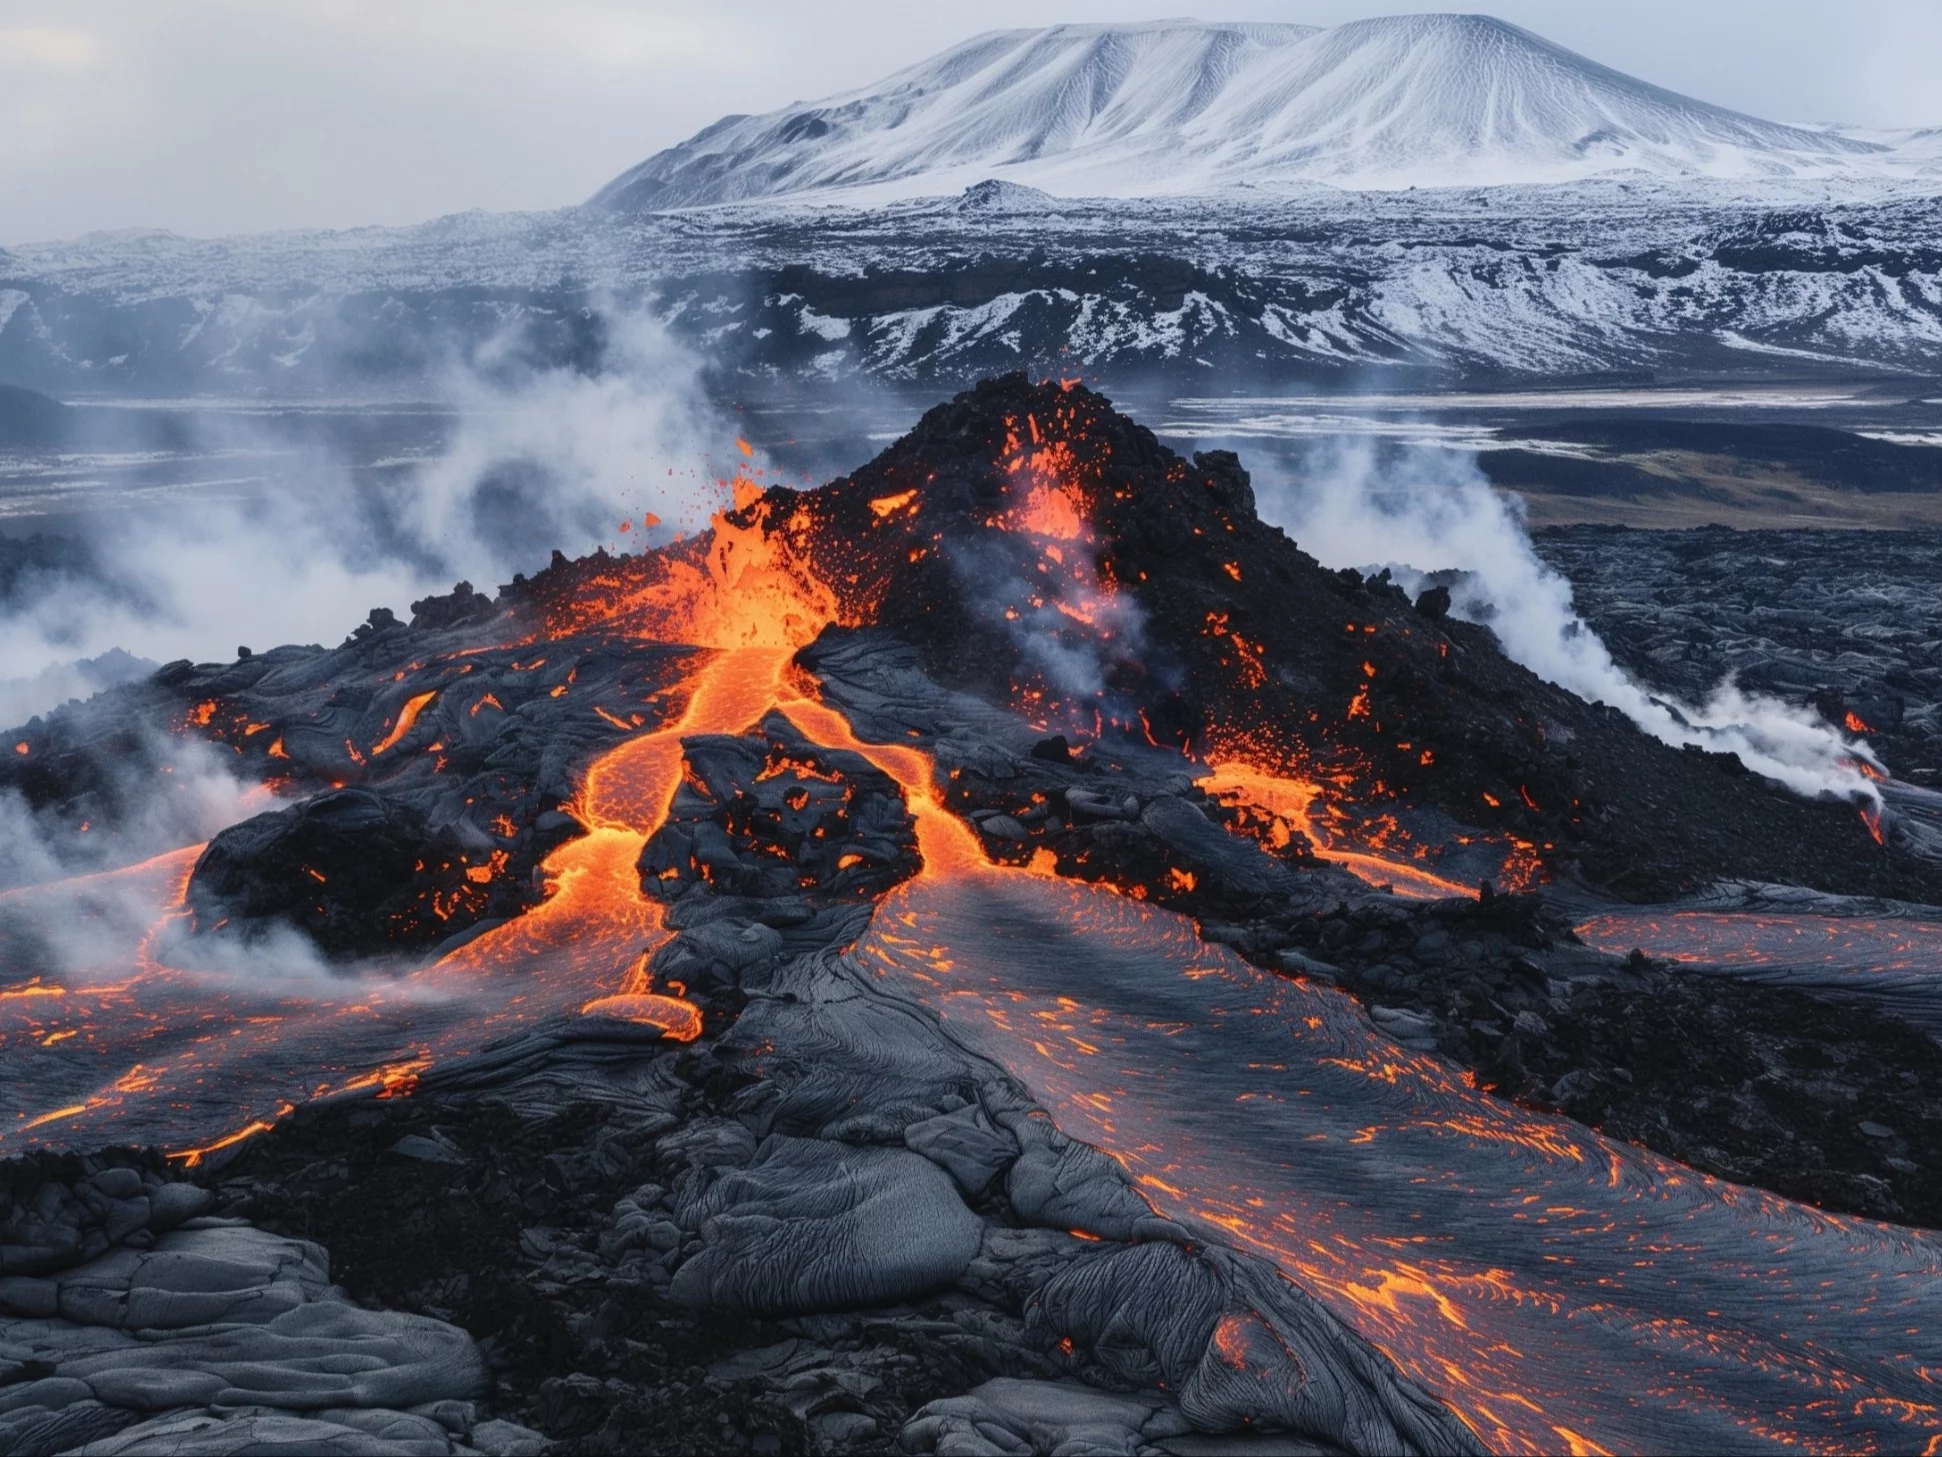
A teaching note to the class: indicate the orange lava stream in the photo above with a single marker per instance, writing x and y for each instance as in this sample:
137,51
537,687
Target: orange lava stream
586,945
947,845
407,717
596,923
1559,1291
1294,801
262,1038
1126,1026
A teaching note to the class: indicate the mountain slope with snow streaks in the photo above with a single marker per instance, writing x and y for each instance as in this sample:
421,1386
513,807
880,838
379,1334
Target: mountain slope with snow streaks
1182,107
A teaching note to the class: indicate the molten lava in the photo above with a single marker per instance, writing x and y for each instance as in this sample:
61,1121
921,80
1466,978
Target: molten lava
407,716
1558,1290
746,584
218,1058
1546,1283
1277,809
596,924
773,571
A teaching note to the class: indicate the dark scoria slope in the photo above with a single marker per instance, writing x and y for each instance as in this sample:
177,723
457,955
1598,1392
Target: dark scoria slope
969,538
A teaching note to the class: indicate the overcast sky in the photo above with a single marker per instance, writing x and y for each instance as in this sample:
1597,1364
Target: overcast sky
221,116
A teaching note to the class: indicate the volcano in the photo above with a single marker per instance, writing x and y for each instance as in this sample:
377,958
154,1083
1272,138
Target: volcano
1039,549
1001,947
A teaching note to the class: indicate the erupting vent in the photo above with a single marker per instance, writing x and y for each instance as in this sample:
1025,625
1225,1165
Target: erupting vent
1034,548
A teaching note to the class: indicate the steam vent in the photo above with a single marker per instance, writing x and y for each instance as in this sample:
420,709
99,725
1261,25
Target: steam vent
1000,952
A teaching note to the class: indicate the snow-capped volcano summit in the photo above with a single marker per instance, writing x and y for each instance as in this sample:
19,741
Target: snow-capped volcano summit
1183,106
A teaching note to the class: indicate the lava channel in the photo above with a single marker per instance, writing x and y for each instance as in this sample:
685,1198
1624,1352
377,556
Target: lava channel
1559,1290
129,1045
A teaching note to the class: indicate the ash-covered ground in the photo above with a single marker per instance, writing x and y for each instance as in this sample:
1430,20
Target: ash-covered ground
1003,952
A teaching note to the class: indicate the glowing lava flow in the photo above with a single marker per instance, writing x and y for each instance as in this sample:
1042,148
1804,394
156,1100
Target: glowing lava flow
222,1052
1285,804
596,924
1560,1291
947,845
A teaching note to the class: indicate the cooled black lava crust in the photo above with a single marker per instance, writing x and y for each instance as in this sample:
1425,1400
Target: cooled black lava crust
1838,621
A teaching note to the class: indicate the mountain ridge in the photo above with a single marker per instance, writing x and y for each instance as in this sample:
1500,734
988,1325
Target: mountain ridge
1180,107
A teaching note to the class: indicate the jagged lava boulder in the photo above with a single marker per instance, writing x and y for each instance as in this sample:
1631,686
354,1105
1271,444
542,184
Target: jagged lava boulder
358,871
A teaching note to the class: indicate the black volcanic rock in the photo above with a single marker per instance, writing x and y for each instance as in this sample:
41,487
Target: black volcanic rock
1844,621
59,1210
107,1253
482,742
357,871
460,607
1758,1083
770,814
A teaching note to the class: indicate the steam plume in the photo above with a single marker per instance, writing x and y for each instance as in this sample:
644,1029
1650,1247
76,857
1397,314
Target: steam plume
542,458
1419,510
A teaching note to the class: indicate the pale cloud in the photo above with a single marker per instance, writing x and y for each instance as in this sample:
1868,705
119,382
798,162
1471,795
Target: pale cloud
43,48
220,116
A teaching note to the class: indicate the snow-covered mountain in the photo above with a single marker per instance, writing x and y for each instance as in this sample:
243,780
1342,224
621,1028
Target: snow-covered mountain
1181,106
1139,201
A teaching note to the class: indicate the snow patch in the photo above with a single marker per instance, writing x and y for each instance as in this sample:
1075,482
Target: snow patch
823,326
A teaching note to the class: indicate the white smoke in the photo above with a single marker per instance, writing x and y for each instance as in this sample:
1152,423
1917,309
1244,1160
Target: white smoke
174,792
541,459
1424,510
178,587
21,698
60,917
556,458
1066,628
